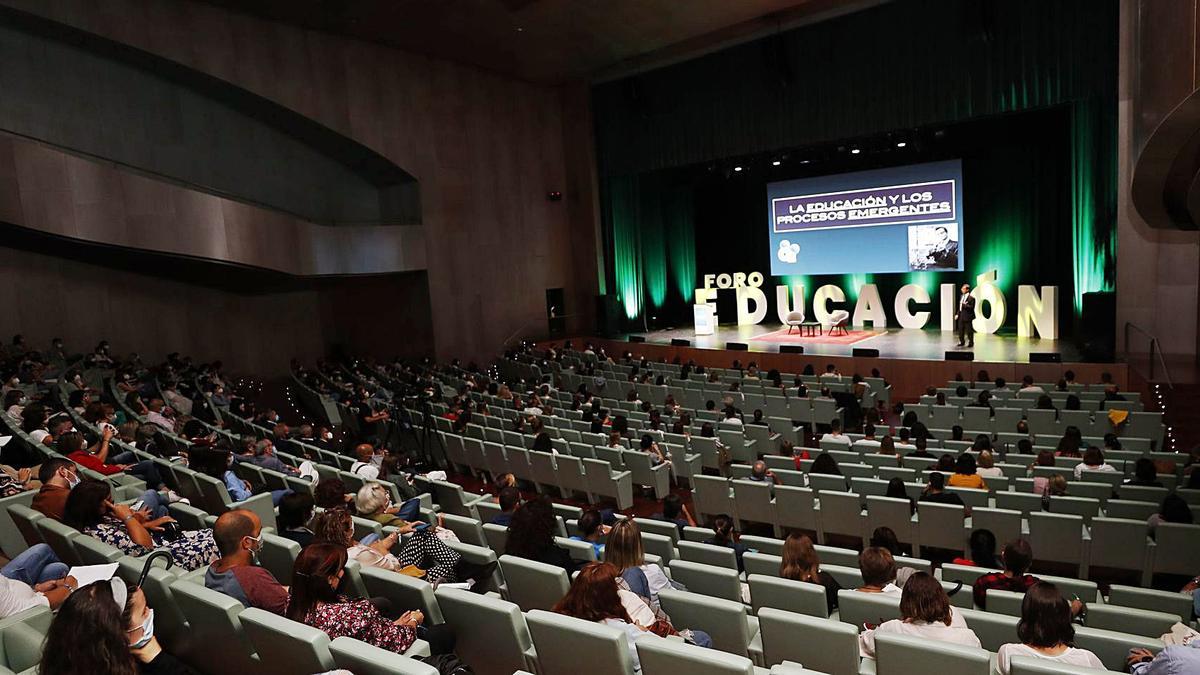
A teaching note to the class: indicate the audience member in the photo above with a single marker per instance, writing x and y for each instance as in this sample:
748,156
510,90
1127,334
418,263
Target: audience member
897,490
835,434
1045,631
90,510
1144,473
314,600
1174,509
925,613
801,563
825,464
238,534
965,475
531,535
106,627
295,513
935,491
35,578
675,511
594,596
878,569
982,544
723,535
509,499
436,561
58,475
987,466
592,530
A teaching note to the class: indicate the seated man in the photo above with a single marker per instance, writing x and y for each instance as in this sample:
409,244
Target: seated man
759,473
58,476
96,458
935,491
369,461
1017,557
264,458
675,511
510,499
238,534
835,434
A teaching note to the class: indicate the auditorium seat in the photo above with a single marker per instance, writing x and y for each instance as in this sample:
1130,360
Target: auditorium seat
709,580
822,645
1029,665
792,596
707,554
286,645
365,659
856,607
726,621
213,619
668,657
531,584
1154,600
1176,549
908,655
992,628
498,642
1112,647
403,591
1119,544
563,643
1143,622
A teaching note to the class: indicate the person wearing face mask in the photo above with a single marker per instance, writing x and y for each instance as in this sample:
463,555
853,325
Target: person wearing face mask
14,404
58,476
369,461
117,627
314,600
236,573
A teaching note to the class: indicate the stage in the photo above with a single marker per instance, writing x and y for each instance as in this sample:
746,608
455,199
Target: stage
892,343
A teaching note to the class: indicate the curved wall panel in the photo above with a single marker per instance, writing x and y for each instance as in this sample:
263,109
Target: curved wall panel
86,94
43,188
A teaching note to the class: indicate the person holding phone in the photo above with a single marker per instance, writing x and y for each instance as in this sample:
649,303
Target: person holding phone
420,550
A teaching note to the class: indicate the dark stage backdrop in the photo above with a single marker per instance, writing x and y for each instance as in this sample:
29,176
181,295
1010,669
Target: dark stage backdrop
1024,92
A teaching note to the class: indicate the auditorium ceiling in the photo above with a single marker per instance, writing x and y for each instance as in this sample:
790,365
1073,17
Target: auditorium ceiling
551,41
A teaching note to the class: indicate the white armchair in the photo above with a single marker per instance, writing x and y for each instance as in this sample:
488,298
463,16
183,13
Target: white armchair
794,319
837,320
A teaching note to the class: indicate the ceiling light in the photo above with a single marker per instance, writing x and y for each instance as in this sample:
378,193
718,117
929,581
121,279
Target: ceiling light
855,151
737,168
901,144
776,163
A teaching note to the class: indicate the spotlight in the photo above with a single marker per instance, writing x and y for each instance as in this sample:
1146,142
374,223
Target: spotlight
737,168
901,144
776,163
805,161
855,151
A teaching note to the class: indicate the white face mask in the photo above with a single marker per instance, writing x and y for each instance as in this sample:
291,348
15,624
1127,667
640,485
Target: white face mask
328,436
147,631
377,460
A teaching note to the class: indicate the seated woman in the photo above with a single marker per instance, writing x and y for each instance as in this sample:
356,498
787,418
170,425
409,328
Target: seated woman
925,612
801,563
593,530
965,475
594,596
1046,632
106,627
987,466
624,549
1174,509
314,600
723,535
421,549
295,512
374,502
90,510
531,535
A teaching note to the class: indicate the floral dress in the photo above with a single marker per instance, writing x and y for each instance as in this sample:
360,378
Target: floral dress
191,551
360,620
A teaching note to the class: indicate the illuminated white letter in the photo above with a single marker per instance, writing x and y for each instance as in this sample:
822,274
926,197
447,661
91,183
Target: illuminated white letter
1037,316
869,307
745,294
947,298
911,293
782,308
826,294
988,293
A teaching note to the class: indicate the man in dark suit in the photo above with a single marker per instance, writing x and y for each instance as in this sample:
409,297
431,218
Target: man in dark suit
964,316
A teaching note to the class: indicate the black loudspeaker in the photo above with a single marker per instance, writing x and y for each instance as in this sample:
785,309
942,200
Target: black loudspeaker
791,349
680,342
1098,332
636,338
960,356
608,315
872,353
1045,357
737,346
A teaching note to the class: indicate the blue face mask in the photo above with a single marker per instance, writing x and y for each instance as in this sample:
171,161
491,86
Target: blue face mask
147,631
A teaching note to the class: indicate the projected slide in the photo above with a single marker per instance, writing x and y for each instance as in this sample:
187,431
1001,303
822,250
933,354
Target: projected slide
902,219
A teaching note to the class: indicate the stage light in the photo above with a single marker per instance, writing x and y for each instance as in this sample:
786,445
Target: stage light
805,161
737,168
855,151
776,163
901,144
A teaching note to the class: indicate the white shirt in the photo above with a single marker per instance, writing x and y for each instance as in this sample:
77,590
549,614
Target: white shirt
1081,467
840,438
39,435
1073,656
954,633
991,472
637,610
158,419
365,470
634,634
1031,389
732,421
17,596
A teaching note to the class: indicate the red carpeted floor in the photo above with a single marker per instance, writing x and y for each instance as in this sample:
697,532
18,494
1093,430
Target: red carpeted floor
781,336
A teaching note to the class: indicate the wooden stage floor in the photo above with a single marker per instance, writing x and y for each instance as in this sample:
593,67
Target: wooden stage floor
893,343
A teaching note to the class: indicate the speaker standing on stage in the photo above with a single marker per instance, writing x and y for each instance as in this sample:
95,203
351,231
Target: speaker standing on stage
964,317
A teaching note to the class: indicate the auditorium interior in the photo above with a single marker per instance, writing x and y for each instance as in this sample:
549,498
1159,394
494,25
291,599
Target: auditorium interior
629,337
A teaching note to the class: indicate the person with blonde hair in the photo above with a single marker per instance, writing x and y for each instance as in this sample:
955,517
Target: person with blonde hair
801,563
374,501
624,549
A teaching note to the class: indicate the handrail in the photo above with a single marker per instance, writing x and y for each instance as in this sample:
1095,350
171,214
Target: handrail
1155,350
531,322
